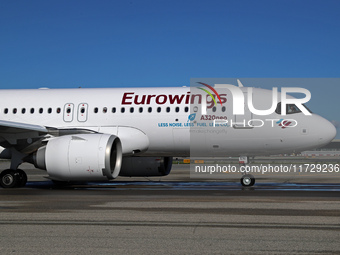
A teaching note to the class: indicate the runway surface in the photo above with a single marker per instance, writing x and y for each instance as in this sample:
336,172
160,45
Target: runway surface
172,215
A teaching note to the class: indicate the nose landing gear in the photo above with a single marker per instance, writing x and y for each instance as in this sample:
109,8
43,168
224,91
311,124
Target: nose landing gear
247,180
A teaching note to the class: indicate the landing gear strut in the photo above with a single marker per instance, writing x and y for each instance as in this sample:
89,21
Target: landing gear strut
13,178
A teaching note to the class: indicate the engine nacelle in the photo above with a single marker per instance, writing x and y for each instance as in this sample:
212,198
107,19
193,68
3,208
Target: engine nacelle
146,166
83,157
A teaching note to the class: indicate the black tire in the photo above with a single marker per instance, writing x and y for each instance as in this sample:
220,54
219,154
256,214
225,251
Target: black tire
247,180
9,178
22,179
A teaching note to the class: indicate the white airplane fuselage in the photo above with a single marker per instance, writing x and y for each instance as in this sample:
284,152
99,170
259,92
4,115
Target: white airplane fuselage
166,131
155,122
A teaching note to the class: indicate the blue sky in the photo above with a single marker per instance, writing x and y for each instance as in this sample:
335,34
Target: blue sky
66,44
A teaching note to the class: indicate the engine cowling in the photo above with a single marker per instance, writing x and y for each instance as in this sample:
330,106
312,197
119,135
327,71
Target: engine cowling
83,157
146,166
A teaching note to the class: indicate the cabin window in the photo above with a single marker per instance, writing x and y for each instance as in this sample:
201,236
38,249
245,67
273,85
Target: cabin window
186,109
96,110
140,109
32,110
177,109
168,109
23,110
49,110
15,110
113,109
5,110
104,110
122,110
159,109
150,109
41,110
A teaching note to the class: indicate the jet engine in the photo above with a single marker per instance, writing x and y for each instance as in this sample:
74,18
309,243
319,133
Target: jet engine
81,157
146,166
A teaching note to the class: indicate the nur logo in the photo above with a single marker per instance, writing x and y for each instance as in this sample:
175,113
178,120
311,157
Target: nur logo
244,96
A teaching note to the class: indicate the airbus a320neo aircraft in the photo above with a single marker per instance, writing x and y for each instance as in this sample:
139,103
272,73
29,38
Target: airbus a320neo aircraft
99,134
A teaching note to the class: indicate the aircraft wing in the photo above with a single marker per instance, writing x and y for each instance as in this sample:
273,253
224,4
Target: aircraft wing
9,127
24,137
27,138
